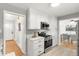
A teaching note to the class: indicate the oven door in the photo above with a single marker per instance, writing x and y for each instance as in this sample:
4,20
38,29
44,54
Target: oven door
48,43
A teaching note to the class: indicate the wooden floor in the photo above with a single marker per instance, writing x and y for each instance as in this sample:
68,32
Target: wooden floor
62,50
65,49
11,46
69,45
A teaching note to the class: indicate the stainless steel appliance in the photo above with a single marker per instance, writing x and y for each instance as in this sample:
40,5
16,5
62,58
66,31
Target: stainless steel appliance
47,41
44,26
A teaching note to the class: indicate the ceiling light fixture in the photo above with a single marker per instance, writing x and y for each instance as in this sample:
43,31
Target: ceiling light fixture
55,4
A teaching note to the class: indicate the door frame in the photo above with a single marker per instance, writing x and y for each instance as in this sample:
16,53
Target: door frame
13,13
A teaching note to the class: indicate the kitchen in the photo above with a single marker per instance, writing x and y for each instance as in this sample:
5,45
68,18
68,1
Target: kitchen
35,31
41,26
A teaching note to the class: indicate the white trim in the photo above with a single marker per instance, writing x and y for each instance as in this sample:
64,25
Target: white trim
10,12
4,53
20,47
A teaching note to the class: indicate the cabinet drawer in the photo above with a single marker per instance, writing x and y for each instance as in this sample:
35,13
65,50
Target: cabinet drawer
41,40
35,52
39,51
35,42
38,41
39,45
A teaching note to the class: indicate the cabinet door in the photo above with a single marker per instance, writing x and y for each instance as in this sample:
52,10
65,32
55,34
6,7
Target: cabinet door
38,22
42,18
35,18
34,21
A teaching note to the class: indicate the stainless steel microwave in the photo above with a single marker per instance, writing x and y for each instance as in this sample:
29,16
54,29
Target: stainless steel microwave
44,26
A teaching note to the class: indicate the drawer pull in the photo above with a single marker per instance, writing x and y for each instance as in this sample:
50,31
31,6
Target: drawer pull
39,51
39,45
39,41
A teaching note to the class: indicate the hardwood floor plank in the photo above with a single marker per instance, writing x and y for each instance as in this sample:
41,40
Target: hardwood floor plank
11,46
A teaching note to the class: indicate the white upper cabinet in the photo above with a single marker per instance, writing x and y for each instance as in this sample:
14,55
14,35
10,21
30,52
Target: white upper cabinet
44,19
34,19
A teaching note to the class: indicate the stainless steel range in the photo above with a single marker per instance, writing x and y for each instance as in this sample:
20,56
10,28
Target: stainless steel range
47,41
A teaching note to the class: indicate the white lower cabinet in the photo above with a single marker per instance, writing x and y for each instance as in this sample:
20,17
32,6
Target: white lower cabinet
35,46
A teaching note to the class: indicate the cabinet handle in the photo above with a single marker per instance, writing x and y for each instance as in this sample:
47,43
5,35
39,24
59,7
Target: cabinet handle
39,45
39,41
39,51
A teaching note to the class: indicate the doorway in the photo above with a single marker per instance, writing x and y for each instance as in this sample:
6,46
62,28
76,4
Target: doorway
14,31
9,26
68,35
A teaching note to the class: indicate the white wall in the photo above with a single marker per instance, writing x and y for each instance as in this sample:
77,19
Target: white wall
53,29
20,36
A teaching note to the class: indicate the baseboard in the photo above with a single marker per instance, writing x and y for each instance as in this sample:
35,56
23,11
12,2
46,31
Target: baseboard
20,48
54,45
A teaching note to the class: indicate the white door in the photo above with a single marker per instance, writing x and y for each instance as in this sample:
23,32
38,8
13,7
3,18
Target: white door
8,31
9,25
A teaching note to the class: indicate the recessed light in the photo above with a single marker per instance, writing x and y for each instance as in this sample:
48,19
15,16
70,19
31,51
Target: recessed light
55,4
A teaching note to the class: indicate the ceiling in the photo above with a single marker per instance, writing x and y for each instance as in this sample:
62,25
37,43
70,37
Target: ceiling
61,10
